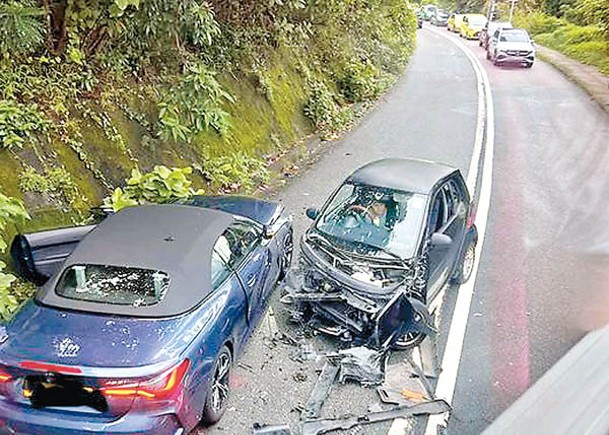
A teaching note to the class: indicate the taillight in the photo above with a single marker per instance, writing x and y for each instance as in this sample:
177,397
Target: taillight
472,215
4,376
159,387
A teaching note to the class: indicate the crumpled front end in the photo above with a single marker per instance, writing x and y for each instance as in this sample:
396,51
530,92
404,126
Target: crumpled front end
355,298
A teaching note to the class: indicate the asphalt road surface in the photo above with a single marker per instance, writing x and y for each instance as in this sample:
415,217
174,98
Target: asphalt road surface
542,277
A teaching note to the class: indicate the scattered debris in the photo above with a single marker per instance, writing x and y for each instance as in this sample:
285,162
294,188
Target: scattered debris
318,427
300,376
363,365
271,430
320,392
245,366
306,352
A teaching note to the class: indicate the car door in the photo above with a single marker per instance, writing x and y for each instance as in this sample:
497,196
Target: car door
454,227
251,259
493,42
234,300
448,217
436,253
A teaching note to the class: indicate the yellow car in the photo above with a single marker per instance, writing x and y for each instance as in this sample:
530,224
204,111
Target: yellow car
471,26
454,22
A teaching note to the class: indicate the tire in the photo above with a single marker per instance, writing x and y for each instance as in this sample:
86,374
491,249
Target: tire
495,60
219,390
488,55
529,65
286,258
465,268
413,339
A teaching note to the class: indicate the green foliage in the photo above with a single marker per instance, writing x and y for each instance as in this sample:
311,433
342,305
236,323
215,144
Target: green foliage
321,107
18,123
537,22
158,186
11,211
194,105
21,29
359,81
588,44
595,12
56,183
235,171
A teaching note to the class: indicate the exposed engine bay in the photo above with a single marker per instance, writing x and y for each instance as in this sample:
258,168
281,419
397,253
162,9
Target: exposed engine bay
350,295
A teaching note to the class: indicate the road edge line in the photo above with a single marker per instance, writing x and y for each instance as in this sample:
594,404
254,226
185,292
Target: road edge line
451,359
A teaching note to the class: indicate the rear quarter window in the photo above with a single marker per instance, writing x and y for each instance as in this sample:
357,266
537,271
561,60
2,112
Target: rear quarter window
115,285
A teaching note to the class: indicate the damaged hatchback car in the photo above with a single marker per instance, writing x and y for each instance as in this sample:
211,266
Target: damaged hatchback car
137,327
394,226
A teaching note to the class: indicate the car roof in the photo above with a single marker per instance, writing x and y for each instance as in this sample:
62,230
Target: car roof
175,239
408,175
502,24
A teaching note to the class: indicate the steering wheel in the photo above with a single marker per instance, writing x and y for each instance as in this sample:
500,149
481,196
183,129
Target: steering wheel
359,211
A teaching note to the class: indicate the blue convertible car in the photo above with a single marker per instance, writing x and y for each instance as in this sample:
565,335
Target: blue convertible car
138,323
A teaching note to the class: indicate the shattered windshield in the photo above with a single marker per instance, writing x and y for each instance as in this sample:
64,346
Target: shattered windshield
113,285
386,220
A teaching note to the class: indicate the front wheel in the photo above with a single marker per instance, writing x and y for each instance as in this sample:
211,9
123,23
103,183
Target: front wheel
528,65
466,266
217,397
413,339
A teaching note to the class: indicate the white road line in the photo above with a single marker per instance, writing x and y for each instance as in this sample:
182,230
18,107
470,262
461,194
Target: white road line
445,388
454,346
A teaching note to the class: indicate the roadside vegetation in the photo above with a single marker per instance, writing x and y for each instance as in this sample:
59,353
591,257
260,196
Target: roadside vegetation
128,101
579,29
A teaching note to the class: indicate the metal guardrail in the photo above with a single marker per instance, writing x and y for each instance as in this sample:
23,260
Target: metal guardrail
571,398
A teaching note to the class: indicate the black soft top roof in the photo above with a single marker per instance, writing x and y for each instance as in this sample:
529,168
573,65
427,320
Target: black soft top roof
175,239
408,175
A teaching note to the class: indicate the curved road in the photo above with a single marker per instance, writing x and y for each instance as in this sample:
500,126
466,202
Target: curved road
542,279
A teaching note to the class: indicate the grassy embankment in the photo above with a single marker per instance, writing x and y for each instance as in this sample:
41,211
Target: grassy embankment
583,43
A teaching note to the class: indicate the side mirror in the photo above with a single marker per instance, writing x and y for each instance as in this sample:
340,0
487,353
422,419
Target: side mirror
269,231
439,239
312,213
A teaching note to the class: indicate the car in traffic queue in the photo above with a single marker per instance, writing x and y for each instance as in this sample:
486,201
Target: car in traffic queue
511,46
395,226
136,329
419,19
489,29
429,11
440,18
454,22
471,26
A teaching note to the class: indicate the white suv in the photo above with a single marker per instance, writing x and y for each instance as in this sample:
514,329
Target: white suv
511,46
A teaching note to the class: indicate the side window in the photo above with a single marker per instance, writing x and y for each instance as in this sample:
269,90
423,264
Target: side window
496,34
241,239
219,258
453,197
437,218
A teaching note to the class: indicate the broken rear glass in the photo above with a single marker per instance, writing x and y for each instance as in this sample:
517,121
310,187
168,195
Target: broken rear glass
113,285
385,220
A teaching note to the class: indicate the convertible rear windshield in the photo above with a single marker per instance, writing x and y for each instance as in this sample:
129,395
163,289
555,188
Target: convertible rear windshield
113,285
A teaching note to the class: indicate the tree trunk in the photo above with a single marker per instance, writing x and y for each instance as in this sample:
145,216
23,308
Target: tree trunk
58,33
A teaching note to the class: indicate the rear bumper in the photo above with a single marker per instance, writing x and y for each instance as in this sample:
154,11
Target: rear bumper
15,420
